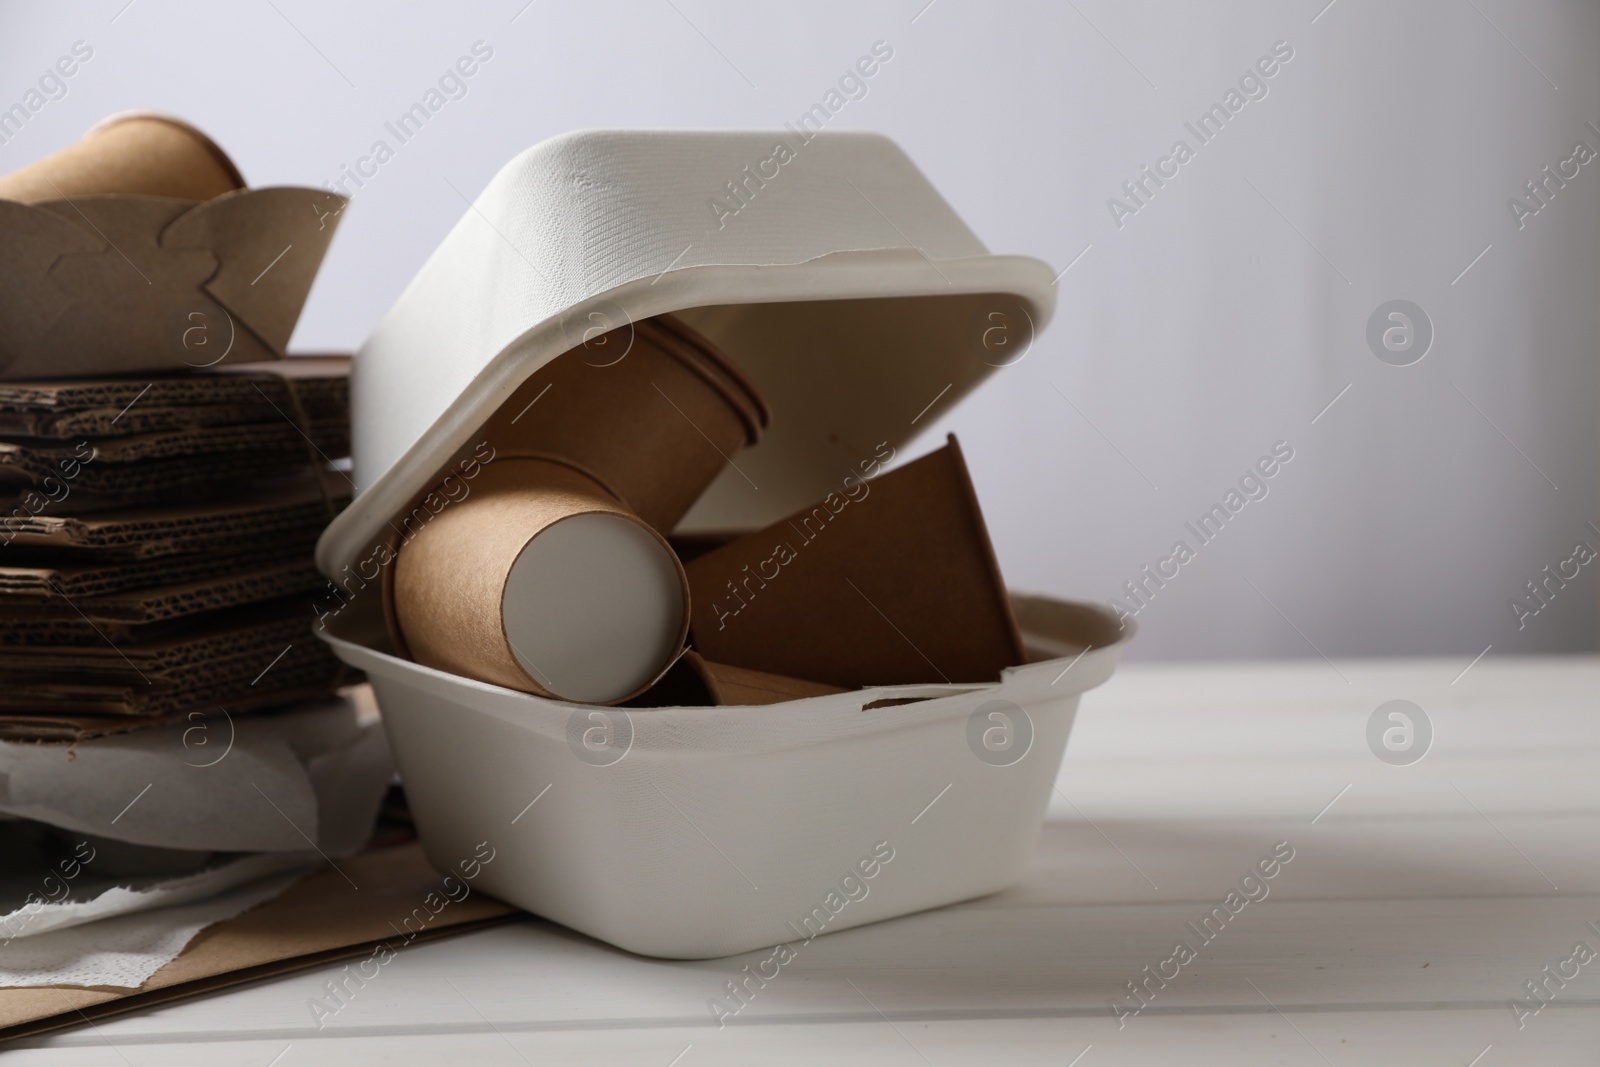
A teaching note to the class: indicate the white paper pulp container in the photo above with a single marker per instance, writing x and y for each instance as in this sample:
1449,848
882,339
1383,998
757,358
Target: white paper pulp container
854,298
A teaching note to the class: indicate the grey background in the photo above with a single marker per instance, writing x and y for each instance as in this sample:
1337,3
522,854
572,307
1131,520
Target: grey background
1221,318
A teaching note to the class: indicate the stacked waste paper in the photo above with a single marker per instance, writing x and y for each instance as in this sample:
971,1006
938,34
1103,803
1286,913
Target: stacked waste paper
174,747
156,554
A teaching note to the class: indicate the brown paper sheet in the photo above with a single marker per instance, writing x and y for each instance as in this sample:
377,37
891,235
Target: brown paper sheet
316,921
887,582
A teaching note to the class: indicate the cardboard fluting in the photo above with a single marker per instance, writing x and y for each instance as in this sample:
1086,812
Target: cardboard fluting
112,618
114,442
110,472
246,659
537,579
36,607
135,153
258,523
308,389
890,581
652,411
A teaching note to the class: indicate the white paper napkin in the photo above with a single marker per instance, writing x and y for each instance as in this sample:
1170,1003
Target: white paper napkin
302,778
126,949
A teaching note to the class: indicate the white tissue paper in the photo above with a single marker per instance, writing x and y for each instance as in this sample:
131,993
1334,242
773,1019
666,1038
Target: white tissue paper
287,781
127,896
124,950
120,849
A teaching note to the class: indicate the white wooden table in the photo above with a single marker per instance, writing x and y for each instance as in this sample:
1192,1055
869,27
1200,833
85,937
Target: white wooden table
1419,900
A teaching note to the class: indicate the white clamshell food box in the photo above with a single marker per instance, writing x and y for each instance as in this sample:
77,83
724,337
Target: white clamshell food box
850,293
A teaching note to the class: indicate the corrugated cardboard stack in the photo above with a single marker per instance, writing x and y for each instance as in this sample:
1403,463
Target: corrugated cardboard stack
155,544
156,531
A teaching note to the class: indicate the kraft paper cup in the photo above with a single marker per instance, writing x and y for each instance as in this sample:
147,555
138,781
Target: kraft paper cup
131,154
740,685
538,580
652,411
891,581
695,682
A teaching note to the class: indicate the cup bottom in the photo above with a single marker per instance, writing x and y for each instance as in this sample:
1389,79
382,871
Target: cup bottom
593,607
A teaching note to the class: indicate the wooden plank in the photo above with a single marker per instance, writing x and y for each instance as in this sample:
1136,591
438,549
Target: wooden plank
1414,909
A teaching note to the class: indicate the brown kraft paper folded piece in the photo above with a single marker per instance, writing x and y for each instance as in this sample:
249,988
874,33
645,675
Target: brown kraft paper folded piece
138,248
538,580
652,411
313,922
891,581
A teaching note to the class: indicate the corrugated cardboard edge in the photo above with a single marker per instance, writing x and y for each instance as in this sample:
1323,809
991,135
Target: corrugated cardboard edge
215,959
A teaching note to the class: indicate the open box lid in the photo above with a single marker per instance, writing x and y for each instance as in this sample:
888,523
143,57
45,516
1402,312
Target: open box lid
826,266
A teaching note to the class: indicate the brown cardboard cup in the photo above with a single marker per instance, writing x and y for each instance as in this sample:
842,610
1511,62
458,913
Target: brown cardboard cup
652,411
891,581
135,153
536,579
740,685
694,682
